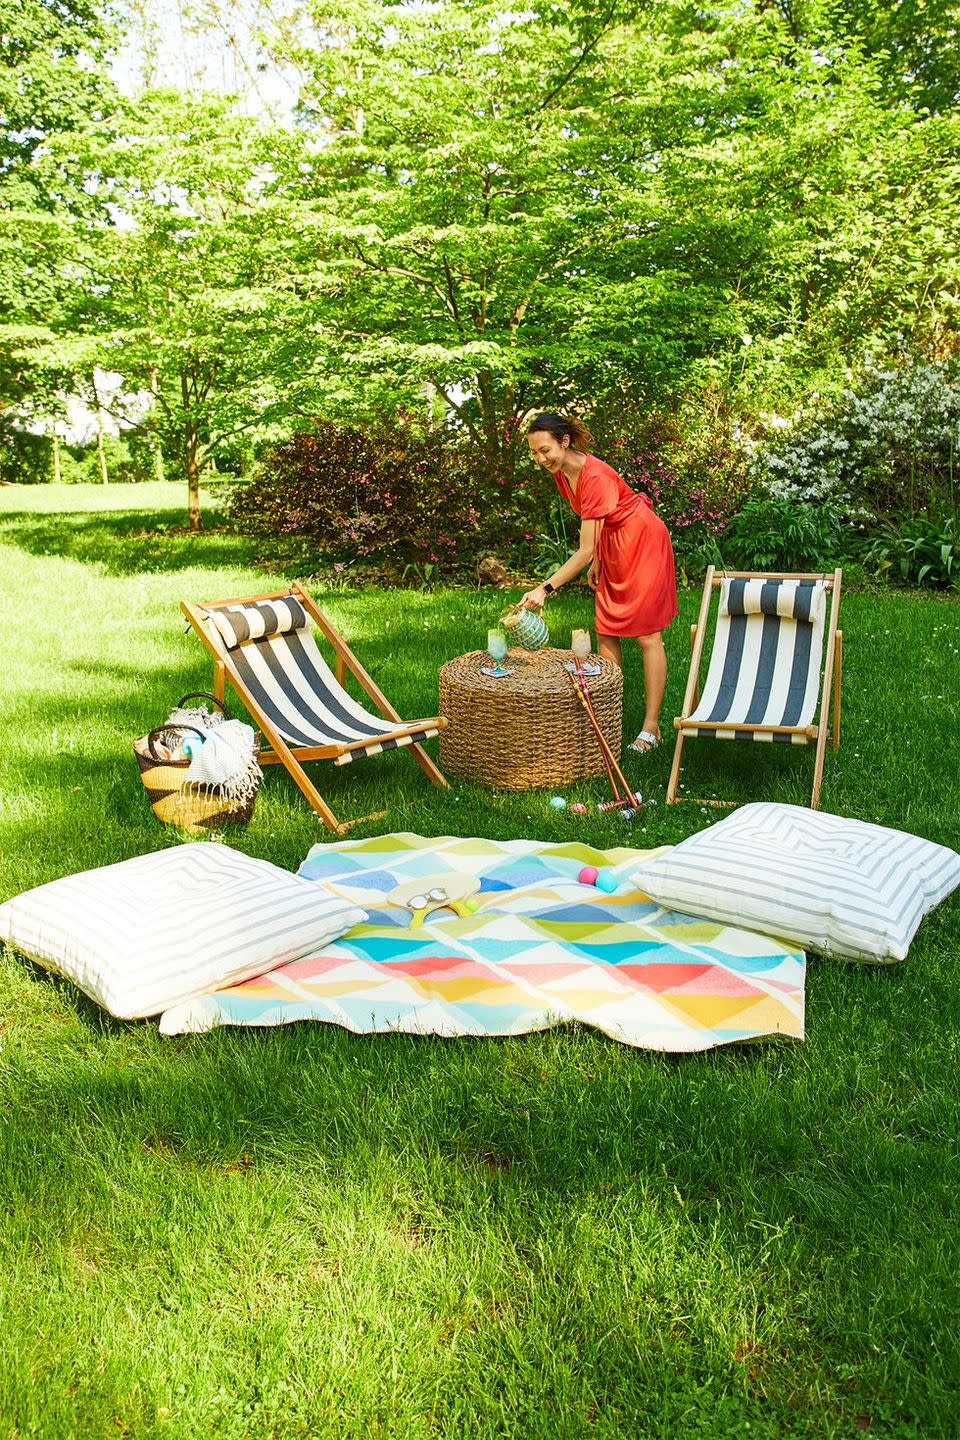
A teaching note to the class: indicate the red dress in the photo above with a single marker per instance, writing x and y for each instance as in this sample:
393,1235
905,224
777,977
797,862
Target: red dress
636,588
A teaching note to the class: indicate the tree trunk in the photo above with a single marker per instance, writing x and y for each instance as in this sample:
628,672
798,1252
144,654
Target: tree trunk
99,414
192,447
56,458
191,452
159,473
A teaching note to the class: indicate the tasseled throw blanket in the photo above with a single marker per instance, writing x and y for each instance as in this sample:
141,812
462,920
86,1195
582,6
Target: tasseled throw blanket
226,762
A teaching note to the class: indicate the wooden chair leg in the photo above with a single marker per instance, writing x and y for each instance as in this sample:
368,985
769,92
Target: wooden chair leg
347,825
675,769
818,767
837,670
696,688
219,680
427,766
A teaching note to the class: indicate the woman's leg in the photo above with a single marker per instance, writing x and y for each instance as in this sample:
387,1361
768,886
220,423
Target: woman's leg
654,676
654,683
609,649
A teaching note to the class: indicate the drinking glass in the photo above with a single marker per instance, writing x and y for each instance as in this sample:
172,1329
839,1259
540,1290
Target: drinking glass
580,645
497,648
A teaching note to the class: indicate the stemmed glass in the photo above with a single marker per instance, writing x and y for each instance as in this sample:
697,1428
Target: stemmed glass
497,648
581,646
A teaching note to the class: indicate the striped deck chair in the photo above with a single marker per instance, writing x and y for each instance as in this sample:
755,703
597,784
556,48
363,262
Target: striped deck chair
264,646
764,676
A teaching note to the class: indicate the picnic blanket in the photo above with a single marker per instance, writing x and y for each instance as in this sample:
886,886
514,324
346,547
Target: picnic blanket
540,949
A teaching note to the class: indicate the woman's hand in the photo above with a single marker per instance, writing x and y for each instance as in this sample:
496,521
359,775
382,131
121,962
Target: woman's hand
533,600
593,574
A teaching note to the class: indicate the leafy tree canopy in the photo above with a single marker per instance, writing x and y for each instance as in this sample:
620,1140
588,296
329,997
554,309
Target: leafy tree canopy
186,277
52,79
560,201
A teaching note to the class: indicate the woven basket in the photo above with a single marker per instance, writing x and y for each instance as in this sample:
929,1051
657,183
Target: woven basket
189,807
528,730
526,628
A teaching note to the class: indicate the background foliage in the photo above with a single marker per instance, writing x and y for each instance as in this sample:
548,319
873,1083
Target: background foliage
724,234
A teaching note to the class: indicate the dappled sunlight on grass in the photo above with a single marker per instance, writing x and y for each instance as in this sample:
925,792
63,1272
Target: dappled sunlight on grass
545,1235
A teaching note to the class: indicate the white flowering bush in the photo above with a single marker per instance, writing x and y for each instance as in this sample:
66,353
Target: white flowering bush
890,443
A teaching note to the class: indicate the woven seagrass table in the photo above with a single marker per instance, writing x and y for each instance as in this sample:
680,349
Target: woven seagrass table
526,730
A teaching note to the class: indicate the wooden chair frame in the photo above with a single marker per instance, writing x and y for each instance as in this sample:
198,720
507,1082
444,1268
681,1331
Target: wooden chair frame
293,757
829,687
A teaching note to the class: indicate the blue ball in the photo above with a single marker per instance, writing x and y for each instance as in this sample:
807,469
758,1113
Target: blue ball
191,744
607,882
558,803
627,813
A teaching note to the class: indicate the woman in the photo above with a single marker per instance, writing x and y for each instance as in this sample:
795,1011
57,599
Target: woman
627,548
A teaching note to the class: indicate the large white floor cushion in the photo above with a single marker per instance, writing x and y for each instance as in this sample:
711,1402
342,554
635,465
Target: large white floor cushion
842,887
152,932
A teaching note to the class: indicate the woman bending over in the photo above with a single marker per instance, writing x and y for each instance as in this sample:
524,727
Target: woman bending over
627,548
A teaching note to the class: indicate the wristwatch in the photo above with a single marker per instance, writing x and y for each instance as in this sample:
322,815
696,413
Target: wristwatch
547,588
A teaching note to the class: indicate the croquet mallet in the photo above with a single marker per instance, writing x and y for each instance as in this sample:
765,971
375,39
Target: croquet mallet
629,798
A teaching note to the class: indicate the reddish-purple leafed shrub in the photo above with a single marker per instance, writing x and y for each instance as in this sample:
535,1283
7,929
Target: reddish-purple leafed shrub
397,499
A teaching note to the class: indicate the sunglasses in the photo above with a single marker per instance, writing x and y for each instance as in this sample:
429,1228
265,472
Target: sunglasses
420,902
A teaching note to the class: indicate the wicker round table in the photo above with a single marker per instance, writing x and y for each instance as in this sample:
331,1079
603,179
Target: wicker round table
526,730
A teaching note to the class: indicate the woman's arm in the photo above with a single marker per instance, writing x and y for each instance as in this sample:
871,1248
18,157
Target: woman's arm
569,570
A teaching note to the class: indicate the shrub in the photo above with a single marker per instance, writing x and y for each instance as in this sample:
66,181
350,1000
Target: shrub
80,464
691,465
918,550
25,459
890,443
399,499
556,539
774,533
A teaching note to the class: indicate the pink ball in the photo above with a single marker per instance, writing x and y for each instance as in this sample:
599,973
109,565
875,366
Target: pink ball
578,809
588,875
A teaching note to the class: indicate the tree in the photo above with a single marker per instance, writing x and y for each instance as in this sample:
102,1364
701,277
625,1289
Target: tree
555,203
189,288
455,192
52,79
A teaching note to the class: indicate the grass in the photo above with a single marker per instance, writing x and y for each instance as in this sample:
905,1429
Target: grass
301,1232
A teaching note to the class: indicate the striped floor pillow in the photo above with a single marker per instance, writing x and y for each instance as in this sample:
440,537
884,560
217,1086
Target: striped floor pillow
840,887
149,933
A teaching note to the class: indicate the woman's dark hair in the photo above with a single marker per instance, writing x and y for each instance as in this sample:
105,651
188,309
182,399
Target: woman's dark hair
560,425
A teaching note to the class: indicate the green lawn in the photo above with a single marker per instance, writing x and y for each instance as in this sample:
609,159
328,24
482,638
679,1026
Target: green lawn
301,1232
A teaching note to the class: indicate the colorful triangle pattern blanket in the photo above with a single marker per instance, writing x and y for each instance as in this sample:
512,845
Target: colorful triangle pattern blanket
540,949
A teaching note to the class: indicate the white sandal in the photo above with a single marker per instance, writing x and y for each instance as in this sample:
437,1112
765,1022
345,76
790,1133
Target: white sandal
651,740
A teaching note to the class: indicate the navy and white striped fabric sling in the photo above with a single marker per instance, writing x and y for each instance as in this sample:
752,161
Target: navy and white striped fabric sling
272,646
766,660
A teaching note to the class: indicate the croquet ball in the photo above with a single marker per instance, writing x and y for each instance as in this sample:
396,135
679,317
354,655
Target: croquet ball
626,813
607,882
557,802
578,809
588,875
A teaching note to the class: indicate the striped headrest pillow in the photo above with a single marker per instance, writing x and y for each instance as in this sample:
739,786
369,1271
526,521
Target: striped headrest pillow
790,599
236,623
841,887
160,929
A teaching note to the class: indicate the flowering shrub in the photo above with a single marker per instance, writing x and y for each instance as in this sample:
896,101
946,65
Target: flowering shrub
400,499
890,443
691,466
